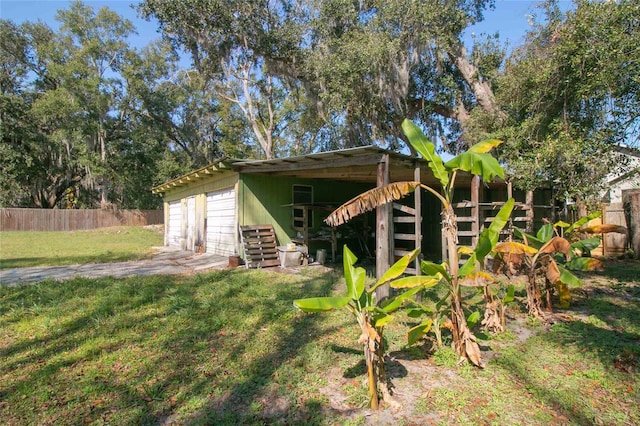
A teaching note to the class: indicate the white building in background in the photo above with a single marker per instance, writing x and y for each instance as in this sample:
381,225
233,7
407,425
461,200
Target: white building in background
627,176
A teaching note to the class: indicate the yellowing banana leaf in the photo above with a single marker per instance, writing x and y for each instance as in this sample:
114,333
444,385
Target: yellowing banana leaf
415,281
583,220
427,150
415,333
561,224
477,279
483,165
321,304
585,264
514,247
369,200
465,250
485,146
382,320
604,228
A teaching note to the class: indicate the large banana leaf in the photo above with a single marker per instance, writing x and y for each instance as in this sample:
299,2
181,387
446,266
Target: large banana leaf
434,269
568,278
393,304
396,269
586,245
484,165
545,233
321,304
420,143
354,277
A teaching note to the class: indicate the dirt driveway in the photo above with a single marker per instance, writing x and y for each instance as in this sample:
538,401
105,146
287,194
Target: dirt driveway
168,261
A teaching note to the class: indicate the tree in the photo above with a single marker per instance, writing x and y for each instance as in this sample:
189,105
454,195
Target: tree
363,66
374,63
76,131
571,93
234,46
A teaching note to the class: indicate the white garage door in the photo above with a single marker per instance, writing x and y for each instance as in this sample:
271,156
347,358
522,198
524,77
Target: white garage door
174,228
221,222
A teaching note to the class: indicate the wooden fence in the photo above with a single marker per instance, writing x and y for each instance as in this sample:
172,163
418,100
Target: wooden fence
71,220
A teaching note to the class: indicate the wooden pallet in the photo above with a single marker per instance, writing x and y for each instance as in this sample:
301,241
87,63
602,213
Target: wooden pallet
260,246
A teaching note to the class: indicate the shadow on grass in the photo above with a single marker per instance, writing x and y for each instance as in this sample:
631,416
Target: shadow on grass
606,329
130,318
244,402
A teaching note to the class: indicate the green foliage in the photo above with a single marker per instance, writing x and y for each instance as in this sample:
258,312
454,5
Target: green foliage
478,162
569,97
371,315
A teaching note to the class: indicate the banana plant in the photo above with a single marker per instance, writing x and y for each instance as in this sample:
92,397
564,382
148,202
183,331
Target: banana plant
549,256
371,315
476,161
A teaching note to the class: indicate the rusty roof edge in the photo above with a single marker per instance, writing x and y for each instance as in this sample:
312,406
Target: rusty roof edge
360,150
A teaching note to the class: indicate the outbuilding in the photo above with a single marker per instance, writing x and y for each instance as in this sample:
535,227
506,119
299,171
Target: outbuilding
205,208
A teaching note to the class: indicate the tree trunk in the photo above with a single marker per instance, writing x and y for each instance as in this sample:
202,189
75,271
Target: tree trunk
481,89
631,202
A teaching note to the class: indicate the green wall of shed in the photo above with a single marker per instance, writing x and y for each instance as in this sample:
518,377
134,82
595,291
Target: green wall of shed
267,200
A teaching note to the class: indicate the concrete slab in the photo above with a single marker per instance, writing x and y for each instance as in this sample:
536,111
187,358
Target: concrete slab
168,261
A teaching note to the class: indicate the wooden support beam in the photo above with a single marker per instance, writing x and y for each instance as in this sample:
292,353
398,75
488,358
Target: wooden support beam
383,229
529,212
475,209
418,215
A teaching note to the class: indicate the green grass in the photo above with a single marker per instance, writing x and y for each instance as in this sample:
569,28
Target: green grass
228,347
28,248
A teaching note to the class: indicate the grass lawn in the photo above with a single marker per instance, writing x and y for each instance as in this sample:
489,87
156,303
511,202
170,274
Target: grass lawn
228,347
30,248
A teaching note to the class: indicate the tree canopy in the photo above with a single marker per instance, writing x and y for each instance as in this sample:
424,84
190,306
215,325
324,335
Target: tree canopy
88,120
571,93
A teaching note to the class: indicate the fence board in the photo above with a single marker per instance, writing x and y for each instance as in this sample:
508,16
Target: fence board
16,219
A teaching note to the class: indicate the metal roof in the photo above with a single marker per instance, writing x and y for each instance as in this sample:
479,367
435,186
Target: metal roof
354,165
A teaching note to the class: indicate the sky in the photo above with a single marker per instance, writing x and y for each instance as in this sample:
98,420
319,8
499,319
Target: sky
510,17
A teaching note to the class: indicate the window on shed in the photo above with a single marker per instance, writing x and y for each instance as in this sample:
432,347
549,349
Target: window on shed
302,195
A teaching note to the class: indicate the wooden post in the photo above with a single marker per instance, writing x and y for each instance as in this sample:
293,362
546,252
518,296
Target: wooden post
475,209
530,213
383,228
418,224
631,203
